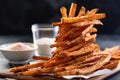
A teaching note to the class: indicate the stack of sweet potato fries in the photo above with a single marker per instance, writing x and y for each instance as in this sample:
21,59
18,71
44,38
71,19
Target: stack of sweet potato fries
76,51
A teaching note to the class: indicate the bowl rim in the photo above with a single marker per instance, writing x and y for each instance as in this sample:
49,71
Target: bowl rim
34,47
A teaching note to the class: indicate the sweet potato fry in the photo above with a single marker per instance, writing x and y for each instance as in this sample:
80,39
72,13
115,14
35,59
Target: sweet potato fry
111,64
85,31
113,49
116,55
33,72
40,58
72,10
56,24
92,12
63,11
81,12
93,37
85,23
26,67
92,30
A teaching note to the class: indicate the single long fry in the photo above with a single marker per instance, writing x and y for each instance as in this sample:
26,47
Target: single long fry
72,10
81,12
82,18
92,12
93,37
40,58
85,23
56,24
63,11
84,32
37,71
26,67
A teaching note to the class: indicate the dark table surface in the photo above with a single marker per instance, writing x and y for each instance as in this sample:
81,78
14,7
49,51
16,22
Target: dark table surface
103,40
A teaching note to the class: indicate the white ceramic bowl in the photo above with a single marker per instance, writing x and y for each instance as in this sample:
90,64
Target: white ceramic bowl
18,55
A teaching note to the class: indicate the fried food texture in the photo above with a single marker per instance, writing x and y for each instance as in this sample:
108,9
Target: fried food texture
76,49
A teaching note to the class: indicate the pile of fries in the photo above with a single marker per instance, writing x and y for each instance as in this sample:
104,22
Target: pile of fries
76,51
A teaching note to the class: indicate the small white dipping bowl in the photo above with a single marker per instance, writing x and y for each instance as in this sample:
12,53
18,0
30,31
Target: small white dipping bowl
18,56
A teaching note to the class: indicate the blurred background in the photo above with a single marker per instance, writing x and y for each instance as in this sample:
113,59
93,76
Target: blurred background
17,16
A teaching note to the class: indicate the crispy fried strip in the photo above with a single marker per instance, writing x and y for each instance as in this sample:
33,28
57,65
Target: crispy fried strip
93,37
112,64
92,12
26,67
40,58
56,24
116,55
33,72
82,18
72,10
62,31
92,30
81,12
85,23
63,11
84,50
113,49
86,70
84,32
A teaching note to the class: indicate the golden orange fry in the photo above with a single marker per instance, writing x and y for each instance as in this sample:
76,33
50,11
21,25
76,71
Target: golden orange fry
81,12
83,18
40,58
63,11
26,67
72,10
